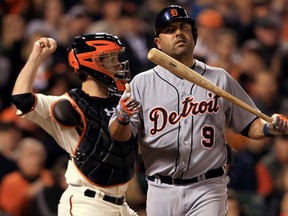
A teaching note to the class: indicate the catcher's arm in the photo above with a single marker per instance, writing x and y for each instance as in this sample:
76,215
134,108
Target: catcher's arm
41,49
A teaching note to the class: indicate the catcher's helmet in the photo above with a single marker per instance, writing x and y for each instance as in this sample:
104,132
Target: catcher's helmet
172,13
86,54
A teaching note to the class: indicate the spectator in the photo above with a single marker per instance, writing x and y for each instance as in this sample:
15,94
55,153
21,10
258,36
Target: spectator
226,53
234,207
111,11
5,74
19,187
267,31
52,20
243,178
261,8
284,205
284,30
243,175
269,168
10,135
265,92
35,10
29,128
46,200
149,10
137,41
12,33
251,60
240,18
16,6
77,20
58,84
282,72
94,9
274,203
209,21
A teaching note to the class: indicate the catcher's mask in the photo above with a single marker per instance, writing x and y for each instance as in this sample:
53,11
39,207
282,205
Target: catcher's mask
173,13
86,56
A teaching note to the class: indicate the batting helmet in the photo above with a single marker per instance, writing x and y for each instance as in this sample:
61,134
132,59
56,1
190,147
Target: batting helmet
172,13
86,54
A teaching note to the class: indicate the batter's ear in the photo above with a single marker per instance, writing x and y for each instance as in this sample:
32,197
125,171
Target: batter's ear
157,42
73,61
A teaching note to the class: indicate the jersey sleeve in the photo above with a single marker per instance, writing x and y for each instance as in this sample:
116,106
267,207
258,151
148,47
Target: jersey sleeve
136,119
237,117
41,115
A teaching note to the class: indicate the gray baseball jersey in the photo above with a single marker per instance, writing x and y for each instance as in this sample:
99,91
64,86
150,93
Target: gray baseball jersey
181,127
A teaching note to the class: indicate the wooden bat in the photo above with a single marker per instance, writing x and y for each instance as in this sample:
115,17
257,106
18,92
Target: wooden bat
181,70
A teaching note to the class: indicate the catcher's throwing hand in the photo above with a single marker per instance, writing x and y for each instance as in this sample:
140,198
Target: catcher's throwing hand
44,46
279,125
127,106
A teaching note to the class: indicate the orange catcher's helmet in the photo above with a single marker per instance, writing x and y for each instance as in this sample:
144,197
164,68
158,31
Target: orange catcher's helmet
86,58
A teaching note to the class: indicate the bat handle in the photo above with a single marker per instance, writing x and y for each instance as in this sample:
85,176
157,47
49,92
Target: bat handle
264,117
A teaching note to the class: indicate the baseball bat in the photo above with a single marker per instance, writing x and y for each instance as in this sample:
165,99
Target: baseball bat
181,70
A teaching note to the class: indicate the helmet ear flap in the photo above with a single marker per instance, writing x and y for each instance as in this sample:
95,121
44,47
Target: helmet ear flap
73,61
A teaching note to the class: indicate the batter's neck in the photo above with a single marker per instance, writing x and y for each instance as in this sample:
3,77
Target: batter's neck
188,61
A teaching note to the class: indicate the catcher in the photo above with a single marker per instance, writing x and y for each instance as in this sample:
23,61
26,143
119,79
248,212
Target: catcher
99,168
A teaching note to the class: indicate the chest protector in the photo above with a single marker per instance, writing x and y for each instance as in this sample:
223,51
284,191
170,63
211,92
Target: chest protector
101,160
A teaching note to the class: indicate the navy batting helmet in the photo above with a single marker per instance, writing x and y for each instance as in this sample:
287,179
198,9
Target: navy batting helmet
172,13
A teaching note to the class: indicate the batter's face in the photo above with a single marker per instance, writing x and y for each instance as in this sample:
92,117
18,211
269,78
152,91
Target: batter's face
176,40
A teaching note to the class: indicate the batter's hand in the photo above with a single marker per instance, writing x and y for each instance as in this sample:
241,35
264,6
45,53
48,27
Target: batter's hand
279,125
127,106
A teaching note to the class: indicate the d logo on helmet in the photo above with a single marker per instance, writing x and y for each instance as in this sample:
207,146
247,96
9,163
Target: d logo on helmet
174,12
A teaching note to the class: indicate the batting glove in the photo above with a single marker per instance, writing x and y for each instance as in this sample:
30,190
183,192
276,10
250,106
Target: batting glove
279,126
127,107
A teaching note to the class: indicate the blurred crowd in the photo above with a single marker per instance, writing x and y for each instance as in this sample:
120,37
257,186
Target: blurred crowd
248,38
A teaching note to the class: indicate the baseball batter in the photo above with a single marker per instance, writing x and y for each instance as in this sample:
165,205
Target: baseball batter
181,125
99,169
